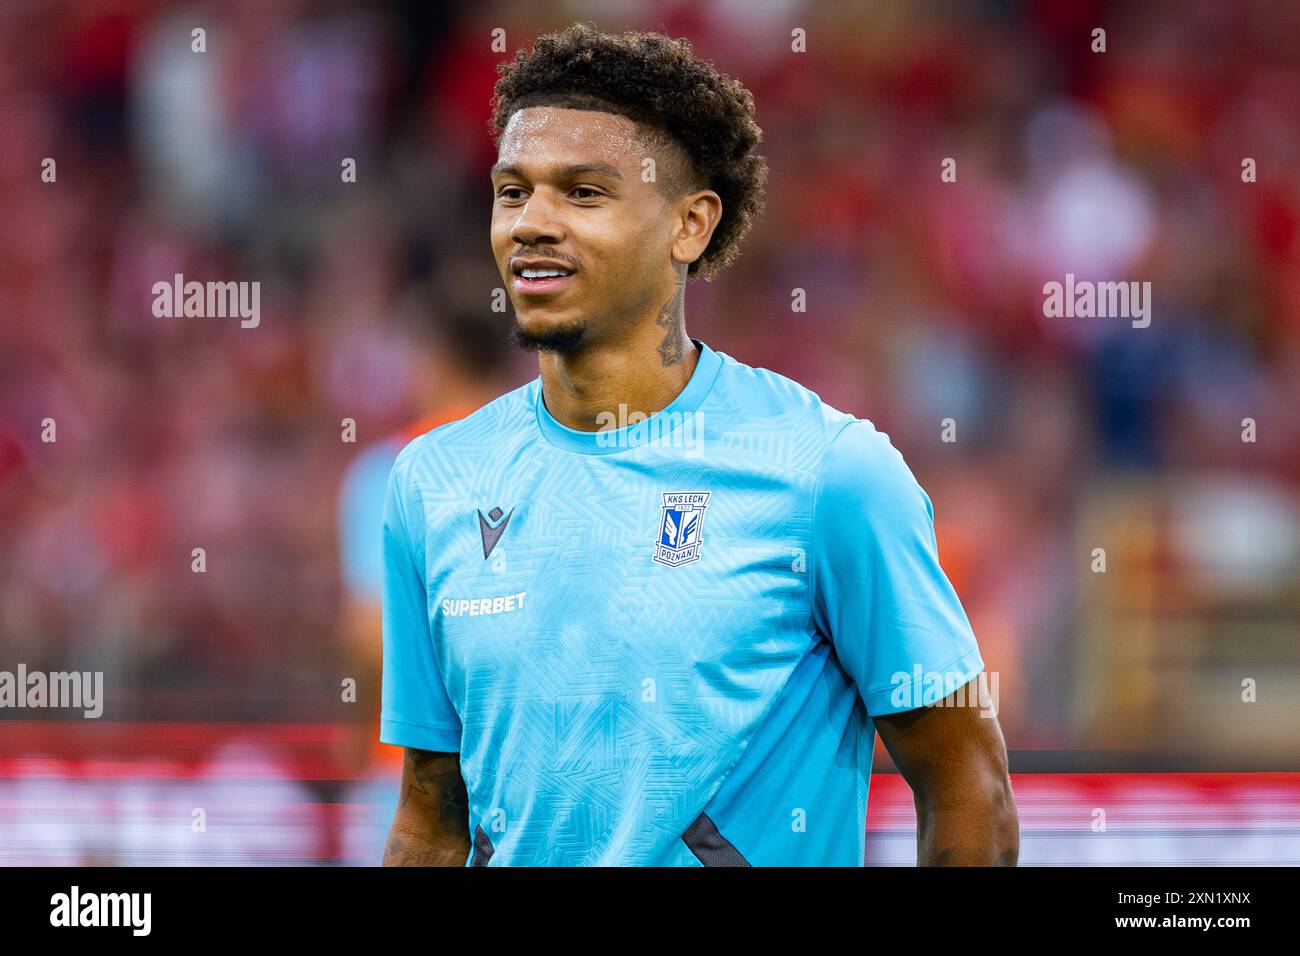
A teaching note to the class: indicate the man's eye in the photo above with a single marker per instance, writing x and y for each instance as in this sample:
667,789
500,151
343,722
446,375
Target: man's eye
511,192
591,193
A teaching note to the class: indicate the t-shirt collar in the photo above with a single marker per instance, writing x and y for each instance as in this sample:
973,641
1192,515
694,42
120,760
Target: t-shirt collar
657,425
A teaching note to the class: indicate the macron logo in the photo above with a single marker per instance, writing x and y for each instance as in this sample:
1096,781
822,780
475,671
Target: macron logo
491,530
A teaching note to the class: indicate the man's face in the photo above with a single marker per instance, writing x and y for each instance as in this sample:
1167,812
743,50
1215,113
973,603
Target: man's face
569,195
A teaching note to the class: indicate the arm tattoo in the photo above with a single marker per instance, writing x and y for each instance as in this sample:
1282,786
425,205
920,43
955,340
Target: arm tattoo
402,852
435,784
431,827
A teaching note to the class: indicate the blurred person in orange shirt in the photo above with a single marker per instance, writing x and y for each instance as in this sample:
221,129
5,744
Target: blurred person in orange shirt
459,363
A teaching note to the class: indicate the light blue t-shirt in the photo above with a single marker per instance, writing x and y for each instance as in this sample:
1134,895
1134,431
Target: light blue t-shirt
360,516
661,643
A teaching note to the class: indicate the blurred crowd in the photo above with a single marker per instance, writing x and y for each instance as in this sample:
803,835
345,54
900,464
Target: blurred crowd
924,304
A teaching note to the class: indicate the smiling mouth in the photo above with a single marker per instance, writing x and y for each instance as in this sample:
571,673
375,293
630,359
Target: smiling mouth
538,280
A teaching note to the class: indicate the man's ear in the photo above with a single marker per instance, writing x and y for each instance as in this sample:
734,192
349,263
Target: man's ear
698,215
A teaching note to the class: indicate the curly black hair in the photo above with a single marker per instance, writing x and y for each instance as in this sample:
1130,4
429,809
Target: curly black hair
661,84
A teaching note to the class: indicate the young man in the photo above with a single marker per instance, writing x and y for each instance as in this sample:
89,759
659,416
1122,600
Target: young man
459,366
651,607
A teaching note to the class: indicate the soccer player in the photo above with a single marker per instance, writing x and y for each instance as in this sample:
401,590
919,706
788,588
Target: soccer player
459,366
652,606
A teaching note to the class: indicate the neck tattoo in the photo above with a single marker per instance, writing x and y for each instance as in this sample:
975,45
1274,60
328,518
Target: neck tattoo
672,318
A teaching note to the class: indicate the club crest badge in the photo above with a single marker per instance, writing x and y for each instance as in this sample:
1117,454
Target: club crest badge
680,526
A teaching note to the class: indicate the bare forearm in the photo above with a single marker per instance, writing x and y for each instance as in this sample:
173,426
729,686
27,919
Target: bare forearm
412,842
955,760
431,826
964,829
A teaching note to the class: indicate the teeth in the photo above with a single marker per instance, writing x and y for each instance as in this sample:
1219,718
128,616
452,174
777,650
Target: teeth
542,273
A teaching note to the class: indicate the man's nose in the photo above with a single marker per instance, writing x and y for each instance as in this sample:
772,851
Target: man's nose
537,222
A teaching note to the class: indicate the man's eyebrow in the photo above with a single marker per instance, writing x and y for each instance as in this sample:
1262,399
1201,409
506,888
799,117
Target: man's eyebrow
568,172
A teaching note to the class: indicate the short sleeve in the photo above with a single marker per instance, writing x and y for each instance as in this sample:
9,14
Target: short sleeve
879,593
416,709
